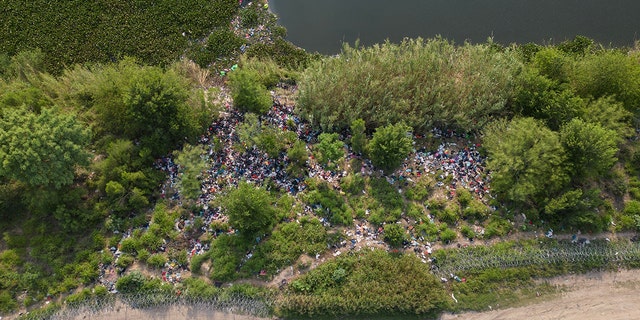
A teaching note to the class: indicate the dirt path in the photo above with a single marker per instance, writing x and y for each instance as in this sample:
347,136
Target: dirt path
594,296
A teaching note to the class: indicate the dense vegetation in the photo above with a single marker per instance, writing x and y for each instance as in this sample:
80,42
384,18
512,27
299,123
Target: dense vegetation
70,32
87,118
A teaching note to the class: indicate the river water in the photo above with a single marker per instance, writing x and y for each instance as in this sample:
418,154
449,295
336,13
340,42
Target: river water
322,25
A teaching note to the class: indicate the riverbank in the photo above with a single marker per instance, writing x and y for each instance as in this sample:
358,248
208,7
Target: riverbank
595,295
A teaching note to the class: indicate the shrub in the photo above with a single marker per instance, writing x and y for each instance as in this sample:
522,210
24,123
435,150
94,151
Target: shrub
198,288
467,232
497,227
7,303
421,190
157,260
366,285
394,235
353,184
448,215
448,235
78,31
475,210
389,146
131,282
428,230
415,212
464,197
197,261
143,255
124,261
129,245
248,93
221,43
632,208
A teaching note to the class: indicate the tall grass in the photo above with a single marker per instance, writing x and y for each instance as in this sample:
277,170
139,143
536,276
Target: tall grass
424,83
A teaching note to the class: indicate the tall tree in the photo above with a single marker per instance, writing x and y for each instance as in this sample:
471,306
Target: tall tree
250,210
609,73
591,149
390,145
527,161
145,104
42,149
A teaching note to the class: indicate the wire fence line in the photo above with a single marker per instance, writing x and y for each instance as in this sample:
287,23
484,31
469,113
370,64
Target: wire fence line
596,254
235,304
592,256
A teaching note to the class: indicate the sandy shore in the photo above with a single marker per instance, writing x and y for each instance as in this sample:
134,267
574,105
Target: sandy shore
594,296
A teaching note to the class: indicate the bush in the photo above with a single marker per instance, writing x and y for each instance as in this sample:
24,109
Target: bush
143,255
124,261
157,260
421,190
199,289
366,284
389,146
221,43
497,227
632,208
129,245
428,230
467,232
464,197
131,282
197,261
475,210
448,235
283,52
394,235
353,184
448,215
415,212
249,95
7,303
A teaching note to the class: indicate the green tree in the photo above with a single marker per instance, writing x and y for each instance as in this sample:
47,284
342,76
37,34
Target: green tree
610,114
390,145
250,210
527,161
539,97
609,73
551,63
42,149
191,163
145,104
591,149
358,136
329,148
248,93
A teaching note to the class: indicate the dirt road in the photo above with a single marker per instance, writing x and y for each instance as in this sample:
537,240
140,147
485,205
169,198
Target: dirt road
594,296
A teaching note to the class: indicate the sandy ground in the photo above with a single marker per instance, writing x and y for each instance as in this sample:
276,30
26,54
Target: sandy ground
593,296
